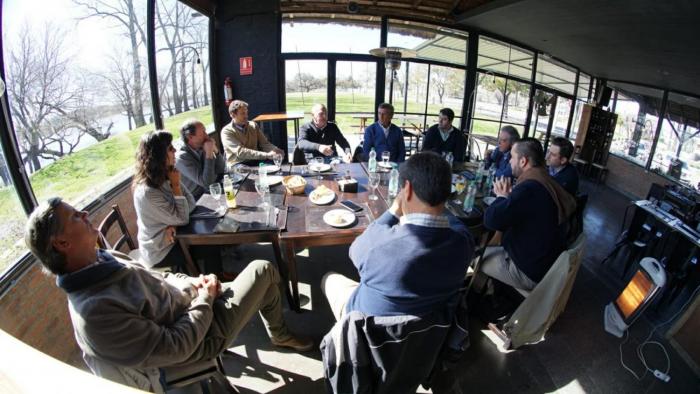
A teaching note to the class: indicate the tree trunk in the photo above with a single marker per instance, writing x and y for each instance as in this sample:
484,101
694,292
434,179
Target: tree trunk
638,129
136,63
183,84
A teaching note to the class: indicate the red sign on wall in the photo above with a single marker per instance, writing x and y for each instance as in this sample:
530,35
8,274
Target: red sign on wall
246,64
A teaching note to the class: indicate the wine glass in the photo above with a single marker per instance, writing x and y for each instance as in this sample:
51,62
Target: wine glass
262,188
348,153
459,187
277,159
385,158
318,163
215,191
373,184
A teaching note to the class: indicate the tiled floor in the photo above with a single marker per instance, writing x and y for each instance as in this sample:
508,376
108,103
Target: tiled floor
577,355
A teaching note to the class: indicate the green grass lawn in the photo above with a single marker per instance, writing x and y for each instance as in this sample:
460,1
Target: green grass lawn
80,178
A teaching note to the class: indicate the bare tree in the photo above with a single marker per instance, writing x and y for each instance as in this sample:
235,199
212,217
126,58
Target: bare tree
48,102
123,14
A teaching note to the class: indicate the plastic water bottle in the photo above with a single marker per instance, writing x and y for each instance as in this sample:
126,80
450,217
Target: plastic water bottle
469,198
479,173
450,158
489,181
228,190
262,173
394,183
372,161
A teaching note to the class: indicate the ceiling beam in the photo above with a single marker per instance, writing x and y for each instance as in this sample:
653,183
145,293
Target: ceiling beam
483,8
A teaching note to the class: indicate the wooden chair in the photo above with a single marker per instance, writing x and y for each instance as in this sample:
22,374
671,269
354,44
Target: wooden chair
115,216
484,236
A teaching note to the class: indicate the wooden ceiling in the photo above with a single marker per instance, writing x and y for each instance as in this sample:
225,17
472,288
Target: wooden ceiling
443,11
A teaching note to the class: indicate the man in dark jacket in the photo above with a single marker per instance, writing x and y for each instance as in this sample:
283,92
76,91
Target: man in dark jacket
530,216
500,157
443,137
559,162
198,159
319,136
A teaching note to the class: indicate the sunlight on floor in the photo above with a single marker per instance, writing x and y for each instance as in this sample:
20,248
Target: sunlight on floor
495,340
572,387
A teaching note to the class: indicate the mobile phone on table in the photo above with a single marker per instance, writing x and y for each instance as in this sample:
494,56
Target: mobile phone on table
351,205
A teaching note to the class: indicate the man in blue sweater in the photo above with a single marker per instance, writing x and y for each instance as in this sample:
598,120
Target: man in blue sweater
531,217
384,136
559,162
500,158
412,260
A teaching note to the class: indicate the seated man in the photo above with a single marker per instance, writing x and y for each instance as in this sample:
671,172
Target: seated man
412,259
198,159
242,139
559,162
530,216
319,136
384,136
130,321
443,137
500,158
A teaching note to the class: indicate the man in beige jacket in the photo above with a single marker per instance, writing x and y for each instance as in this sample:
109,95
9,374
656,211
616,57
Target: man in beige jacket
242,139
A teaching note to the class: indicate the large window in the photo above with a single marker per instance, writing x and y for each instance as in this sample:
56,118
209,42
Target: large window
429,42
676,153
504,58
306,83
182,56
582,97
319,33
446,91
499,101
637,116
354,95
555,75
12,220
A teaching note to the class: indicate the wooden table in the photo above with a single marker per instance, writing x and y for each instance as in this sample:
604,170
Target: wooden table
363,121
281,117
201,231
297,235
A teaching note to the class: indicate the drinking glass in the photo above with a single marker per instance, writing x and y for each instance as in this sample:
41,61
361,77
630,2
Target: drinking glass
318,162
277,158
385,158
262,188
215,191
373,184
348,153
307,157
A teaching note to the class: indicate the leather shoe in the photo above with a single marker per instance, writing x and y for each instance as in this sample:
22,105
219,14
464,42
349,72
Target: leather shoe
292,342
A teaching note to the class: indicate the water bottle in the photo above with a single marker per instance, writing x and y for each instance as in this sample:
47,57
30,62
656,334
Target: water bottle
479,173
262,173
489,181
393,183
469,198
372,161
450,158
228,190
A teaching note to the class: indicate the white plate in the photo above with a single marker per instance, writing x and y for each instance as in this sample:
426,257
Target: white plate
489,200
323,200
274,179
319,167
339,218
387,165
455,177
270,168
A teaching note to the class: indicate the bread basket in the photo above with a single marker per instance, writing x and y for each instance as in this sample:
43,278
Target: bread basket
298,189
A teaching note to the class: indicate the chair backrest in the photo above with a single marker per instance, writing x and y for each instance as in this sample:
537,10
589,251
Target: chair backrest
547,300
115,216
382,354
298,158
575,224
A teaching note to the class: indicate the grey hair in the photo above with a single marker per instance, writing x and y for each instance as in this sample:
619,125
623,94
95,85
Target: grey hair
386,106
42,226
235,104
318,105
188,128
512,132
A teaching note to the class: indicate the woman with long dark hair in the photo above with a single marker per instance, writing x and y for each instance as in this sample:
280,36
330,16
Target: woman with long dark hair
162,202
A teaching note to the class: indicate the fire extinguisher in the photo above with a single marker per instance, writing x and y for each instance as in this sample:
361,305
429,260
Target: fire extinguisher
228,91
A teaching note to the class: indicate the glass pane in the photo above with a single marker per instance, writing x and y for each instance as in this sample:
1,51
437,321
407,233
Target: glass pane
677,152
542,108
584,83
577,119
429,42
306,83
410,88
12,218
354,97
489,97
636,124
555,75
561,117
504,58
319,33
485,127
78,132
516,102
182,57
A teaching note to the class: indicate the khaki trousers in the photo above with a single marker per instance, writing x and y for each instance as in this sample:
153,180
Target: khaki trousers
337,289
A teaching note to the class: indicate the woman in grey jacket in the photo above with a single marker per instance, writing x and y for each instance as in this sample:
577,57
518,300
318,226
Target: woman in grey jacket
162,202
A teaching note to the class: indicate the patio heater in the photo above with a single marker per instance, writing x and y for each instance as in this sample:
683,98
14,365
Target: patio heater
392,61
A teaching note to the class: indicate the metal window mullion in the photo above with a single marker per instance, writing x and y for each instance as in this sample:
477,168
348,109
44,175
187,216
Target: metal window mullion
528,118
662,113
573,107
152,72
